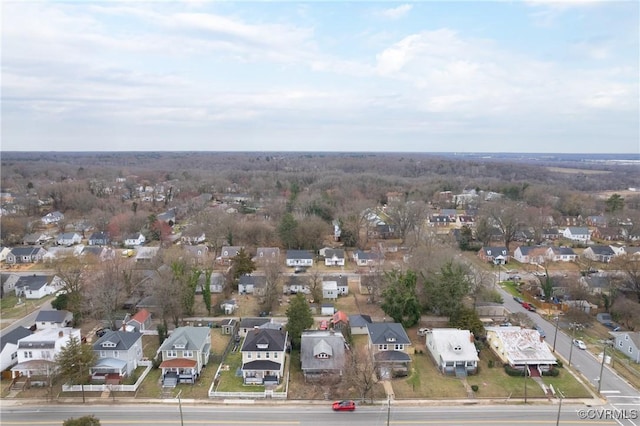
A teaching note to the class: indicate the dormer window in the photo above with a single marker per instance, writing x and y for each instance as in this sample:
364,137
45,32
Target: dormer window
391,339
262,345
108,345
179,346
322,355
457,348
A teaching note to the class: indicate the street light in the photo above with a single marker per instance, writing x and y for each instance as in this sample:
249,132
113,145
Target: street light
526,370
604,356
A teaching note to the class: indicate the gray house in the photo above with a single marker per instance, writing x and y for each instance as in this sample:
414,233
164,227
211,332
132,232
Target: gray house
25,255
118,353
99,239
252,284
628,343
184,355
389,344
299,258
322,354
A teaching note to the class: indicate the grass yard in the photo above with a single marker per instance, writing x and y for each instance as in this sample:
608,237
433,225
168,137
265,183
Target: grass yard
151,386
426,381
229,382
10,310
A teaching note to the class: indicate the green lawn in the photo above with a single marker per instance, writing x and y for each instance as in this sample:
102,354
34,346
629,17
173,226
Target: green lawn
229,382
427,382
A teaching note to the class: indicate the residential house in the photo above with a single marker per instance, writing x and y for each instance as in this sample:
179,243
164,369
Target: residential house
25,255
466,220
134,240
340,321
596,284
197,254
572,221
389,345
530,254
252,284
8,282
251,323
362,258
323,354
267,255
359,324
168,217
550,234
53,217
37,353
37,286
383,231
453,350
99,239
4,251
263,356
99,252
628,342
439,221
193,236
327,309
184,354
329,290
229,306
227,253
577,233
334,257
9,346
229,326
608,234
599,253
342,283
118,354
146,254
295,284
521,348
52,319
301,258
35,239
62,252
141,321
216,283
596,221
69,239
561,254
496,255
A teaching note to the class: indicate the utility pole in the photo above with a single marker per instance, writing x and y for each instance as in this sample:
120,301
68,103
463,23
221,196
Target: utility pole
604,356
555,336
180,406
388,409
526,370
559,407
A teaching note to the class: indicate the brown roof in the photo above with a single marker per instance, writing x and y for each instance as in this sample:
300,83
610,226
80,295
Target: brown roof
141,316
178,363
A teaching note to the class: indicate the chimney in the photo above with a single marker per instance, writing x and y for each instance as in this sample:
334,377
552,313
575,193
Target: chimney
471,337
61,333
541,339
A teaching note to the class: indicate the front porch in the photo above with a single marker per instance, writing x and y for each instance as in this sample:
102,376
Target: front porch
179,370
262,372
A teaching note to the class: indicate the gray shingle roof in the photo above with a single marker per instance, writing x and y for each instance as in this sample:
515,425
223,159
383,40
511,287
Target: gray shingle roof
52,316
388,332
194,338
316,342
13,336
123,340
265,339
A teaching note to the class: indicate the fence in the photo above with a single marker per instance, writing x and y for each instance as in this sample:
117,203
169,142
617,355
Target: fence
117,388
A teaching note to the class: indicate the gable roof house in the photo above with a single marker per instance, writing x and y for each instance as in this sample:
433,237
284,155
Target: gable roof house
521,348
329,290
193,236
37,353
25,255
53,217
250,323
550,234
227,253
342,283
51,319
141,321
135,239
322,354
263,356
252,284
34,238
577,233
118,354
99,252
299,258
146,254
61,252
496,255
99,239
368,258
628,343
530,254
267,255
340,321
334,257
184,355
69,239
9,346
561,254
389,346
37,286
295,284
599,253
607,234
8,282
453,350
359,323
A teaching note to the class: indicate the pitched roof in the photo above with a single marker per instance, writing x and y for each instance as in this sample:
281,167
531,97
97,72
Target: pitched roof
453,344
388,332
33,282
578,230
13,336
251,322
341,280
321,349
359,320
52,316
193,338
265,340
141,316
299,254
255,280
602,250
340,316
25,251
123,340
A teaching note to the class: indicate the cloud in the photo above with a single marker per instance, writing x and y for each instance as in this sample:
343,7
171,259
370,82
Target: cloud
395,12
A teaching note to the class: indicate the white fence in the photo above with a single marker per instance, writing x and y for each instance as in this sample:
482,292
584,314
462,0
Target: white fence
267,393
113,388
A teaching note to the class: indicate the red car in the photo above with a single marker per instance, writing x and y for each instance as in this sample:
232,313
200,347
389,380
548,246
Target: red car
346,405
324,325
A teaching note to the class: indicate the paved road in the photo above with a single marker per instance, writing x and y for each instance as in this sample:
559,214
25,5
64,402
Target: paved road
306,415
618,393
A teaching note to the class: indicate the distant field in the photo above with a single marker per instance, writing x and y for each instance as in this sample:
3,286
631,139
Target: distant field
576,171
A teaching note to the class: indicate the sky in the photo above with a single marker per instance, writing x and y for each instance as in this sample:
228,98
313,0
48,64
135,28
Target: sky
431,76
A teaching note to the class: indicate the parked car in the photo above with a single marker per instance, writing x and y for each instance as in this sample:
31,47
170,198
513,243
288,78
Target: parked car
518,299
101,332
422,331
579,343
346,405
324,325
529,306
540,330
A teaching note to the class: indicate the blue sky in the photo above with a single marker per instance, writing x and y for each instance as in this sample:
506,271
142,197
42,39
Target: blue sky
430,76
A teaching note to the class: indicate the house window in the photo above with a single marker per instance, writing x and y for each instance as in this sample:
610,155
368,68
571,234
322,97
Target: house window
399,347
620,343
28,354
14,355
103,354
116,354
266,354
172,354
45,355
630,350
187,354
275,354
258,355
382,347
322,356
626,337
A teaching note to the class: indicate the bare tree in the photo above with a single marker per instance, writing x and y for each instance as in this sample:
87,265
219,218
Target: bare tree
405,216
315,285
107,289
627,312
506,216
73,273
273,287
361,372
630,267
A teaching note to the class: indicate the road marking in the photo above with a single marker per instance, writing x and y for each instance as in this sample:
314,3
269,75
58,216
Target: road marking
610,391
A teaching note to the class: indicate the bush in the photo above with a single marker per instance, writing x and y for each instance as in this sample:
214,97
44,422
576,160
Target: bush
474,388
560,364
554,372
82,421
513,371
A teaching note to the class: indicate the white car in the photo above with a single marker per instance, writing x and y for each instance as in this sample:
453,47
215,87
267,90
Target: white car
580,344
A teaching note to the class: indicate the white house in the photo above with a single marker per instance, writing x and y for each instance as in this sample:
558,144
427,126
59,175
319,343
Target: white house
134,240
53,217
561,254
577,233
334,257
252,284
118,353
530,254
299,258
69,239
520,348
37,353
329,290
453,350
25,255
363,258
52,319
342,283
9,346
37,286
263,356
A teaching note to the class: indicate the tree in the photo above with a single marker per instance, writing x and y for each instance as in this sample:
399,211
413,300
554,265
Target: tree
400,301
361,372
273,290
242,264
82,421
71,272
299,318
467,319
405,216
206,289
506,217
615,203
106,291
74,362
626,312
630,266
446,289
287,231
